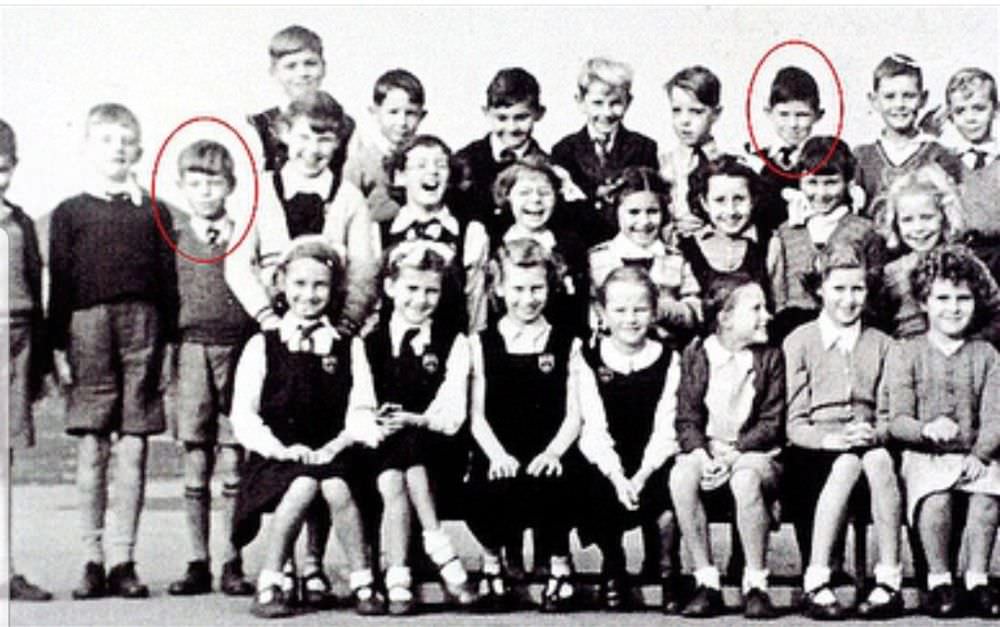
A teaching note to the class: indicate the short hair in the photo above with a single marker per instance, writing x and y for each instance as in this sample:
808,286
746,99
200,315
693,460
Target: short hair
813,157
402,80
538,164
897,65
602,70
793,84
840,255
969,80
207,157
420,255
511,86
324,113
400,157
698,80
958,264
720,297
294,39
633,275
724,165
634,179
113,113
525,253
931,179
8,142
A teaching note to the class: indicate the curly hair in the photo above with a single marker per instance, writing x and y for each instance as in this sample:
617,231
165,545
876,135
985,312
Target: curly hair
634,179
929,179
725,165
530,164
958,264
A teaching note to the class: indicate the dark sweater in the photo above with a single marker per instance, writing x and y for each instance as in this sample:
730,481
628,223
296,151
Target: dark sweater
209,312
108,251
763,430
31,262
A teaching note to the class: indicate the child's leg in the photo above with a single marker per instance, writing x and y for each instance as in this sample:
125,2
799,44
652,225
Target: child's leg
93,454
437,543
685,489
229,460
346,522
198,462
981,533
395,517
286,523
130,484
753,518
934,526
669,542
829,519
887,512
317,537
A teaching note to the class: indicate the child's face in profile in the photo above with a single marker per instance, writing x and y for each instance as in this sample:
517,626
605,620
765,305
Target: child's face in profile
604,106
310,152
950,307
532,199
728,204
825,192
793,121
205,193
308,285
919,221
639,217
415,294
691,118
972,111
843,293
425,176
512,125
746,322
299,73
113,149
628,313
525,290
398,117
898,99
7,163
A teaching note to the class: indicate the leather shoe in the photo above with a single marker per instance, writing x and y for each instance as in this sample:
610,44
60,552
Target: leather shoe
197,580
233,582
757,605
942,601
707,602
123,582
823,611
94,582
984,601
893,608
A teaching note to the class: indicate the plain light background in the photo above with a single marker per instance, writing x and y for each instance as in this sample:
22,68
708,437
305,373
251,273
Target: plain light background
171,63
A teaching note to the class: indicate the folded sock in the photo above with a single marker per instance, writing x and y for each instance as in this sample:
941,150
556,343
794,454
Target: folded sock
360,578
974,579
815,576
890,575
755,579
269,578
708,577
938,579
559,566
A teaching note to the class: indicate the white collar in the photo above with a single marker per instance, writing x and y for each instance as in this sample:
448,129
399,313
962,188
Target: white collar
511,329
410,214
319,340
720,356
104,189
624,248
821,226
398,327
223,224
626,364
952,139
832,334
708,231
946,345
497,149
544,237
294,182
375,138
609,141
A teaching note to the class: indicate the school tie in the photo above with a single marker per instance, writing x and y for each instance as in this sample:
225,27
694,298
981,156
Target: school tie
785,157
701,159
430,230
602,147
212,233
646,263
406,344
978,158
507,157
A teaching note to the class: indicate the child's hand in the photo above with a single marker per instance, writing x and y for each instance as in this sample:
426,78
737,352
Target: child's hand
570,191
295,453
972,468
504,467
638,482
836,442
714,474
941,430
64,374
860,435
270,322
408,418
319,457
171,357
628,496
546,464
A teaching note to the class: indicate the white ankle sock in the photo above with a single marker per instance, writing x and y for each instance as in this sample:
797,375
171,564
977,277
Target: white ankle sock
973,579
708,576
755,579
269,578
814,577
938,579
889,575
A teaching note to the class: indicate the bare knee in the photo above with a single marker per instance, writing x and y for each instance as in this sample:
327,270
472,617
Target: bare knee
685,476
935,509
391,485
878,466
746,487
337,495
984,510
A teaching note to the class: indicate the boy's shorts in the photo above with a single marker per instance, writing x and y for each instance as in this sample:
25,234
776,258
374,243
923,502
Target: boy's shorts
21,423
203,393
116,353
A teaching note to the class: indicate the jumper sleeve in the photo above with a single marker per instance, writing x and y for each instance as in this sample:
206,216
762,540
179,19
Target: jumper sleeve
248,425
169,301
663,441
596,443
569,430
799,394
991,328
903,422
363,262
361,402
882,413
768,431
448,410
60,276
481,430
777,271
692,416
241,273
987,446
475,256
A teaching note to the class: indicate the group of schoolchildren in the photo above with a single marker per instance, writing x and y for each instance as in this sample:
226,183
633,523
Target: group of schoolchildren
601,339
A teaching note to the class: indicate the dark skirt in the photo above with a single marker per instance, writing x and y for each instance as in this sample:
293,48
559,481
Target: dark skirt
264,482
602,515
408,447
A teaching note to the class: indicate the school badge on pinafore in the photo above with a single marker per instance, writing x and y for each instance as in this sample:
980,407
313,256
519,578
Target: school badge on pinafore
546,362
605,374
430,362
329,364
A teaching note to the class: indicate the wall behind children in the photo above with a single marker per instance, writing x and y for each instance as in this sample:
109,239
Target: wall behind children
171,63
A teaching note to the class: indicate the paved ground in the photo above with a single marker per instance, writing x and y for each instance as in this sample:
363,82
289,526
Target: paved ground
46,547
